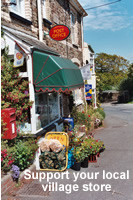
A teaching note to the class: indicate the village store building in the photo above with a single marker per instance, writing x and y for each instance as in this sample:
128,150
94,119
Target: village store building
50,76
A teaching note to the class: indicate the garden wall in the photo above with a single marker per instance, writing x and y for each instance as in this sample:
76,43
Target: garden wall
7,182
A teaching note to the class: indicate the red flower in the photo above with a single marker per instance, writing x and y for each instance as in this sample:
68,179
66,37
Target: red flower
1,159
83,111
5,151
5,155
10,162
96,140
90,147
89,116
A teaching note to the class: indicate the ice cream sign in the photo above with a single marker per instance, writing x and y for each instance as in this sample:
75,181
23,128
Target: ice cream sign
18,56
88,91
59,32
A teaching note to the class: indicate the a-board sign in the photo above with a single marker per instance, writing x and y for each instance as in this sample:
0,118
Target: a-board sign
64,140
59,32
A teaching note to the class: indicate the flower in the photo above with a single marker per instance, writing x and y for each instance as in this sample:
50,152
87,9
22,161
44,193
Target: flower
10,162
89,116
5,155
1,159
26,92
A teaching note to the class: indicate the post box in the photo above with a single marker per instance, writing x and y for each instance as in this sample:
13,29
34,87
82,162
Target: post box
9,117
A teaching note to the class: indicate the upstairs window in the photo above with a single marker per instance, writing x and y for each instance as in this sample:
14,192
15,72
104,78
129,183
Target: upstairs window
73,21
18,7
44,9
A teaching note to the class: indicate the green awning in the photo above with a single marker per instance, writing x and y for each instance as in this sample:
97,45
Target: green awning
52,73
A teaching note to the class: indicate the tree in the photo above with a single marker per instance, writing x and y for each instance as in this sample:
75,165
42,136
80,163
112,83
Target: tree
110,70
14,89
130,71
127,83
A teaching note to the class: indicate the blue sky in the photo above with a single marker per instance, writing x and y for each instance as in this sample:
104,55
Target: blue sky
109,29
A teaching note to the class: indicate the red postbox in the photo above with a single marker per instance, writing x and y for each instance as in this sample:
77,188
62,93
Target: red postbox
9,117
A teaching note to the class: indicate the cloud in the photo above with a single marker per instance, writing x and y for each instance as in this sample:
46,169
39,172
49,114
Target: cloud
106,17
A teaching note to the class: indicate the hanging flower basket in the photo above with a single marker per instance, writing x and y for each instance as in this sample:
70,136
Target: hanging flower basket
92,158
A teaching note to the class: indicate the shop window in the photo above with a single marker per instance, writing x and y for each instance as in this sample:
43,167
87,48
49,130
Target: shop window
18,7
47,108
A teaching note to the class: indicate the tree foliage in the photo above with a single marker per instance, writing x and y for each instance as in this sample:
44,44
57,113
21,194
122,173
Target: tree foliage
110,70
14,89
127,83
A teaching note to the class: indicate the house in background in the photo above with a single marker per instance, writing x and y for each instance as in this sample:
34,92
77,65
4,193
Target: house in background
26,24
89,59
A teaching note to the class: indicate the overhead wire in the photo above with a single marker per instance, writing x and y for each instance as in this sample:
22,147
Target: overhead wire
102,5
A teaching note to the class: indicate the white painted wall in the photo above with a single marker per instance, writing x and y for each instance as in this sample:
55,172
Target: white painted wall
90,56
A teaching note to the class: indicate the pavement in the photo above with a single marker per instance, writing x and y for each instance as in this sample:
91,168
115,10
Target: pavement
117,135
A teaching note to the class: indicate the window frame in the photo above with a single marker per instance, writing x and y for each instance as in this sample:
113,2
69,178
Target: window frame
59,114
72,15
20,8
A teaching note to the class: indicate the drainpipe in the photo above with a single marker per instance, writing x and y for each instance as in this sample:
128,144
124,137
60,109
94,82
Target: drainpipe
39,19
82,37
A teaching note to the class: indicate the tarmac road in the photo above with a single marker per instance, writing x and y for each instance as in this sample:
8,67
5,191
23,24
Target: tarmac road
118,157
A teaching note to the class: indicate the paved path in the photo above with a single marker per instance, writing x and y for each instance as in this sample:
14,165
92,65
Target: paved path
118,157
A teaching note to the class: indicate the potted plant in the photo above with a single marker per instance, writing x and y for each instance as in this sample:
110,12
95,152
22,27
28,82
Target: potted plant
92,149
86,151
79,156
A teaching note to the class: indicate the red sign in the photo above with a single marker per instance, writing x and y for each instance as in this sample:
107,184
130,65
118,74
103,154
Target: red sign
59,32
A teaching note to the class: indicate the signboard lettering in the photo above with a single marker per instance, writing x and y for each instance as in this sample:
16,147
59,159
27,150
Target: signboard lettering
59,32
85,71
18,56
88,92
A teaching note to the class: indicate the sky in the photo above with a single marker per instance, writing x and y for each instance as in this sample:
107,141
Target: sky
109,29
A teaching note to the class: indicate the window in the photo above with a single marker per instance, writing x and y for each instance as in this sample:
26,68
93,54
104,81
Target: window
47,108
87,62
18,7
44,9
78,96
73,21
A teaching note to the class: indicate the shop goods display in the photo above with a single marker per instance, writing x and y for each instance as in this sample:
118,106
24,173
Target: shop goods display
71,159
54,151
52,144
92,158
52,160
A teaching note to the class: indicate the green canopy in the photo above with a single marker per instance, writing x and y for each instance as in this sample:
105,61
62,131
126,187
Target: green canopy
52,73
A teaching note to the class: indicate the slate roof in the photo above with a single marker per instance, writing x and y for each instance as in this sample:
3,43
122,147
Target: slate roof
34,43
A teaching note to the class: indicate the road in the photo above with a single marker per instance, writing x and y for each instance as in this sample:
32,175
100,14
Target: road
118,157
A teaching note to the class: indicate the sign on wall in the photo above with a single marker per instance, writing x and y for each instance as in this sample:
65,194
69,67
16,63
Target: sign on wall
85,71
18,56
59,32
88,92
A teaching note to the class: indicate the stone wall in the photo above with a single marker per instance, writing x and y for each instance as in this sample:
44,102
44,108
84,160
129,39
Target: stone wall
57,12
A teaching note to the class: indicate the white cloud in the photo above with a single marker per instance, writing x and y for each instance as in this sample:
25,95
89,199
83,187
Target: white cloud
106,17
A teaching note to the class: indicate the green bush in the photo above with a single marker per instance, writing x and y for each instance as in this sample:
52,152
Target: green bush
101,111
84,119
20,152
24,153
